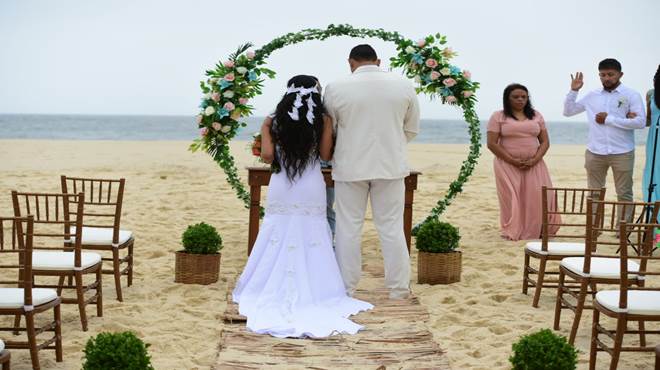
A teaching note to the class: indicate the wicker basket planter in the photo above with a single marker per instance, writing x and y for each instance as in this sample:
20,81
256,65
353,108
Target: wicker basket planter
196,268
438,268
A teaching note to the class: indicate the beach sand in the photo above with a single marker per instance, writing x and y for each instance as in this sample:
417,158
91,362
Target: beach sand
168,188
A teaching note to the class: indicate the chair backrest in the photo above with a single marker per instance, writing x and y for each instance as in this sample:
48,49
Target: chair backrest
58,219
103,201
571,205
21,231
603,232
638,245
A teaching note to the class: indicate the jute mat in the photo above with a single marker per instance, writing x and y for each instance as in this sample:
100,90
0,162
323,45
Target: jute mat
395,337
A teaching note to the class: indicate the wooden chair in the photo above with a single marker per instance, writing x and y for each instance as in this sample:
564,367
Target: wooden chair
5,358
593,269
571,205
629,303
22,299
106,235
62,257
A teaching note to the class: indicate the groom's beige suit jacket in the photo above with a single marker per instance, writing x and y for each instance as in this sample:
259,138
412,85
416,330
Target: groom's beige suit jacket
375,114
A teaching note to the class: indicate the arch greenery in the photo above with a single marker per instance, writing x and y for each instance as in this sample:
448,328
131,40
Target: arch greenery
229,87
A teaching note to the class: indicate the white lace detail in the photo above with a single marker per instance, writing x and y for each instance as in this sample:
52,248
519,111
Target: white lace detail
305,209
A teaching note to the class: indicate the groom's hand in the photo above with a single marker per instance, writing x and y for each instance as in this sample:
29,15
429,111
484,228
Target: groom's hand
577,82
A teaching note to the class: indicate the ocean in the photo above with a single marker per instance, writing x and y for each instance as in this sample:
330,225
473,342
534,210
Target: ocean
120,127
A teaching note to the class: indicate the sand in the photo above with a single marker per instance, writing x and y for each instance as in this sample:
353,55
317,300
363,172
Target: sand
168,188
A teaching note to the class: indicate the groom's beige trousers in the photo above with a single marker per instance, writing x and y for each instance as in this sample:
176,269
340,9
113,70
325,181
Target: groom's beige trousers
387,200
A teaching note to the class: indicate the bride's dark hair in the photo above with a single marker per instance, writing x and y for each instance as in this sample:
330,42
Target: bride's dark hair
299,140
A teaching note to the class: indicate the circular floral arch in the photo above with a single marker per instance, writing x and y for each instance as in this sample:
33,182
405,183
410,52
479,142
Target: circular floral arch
232,83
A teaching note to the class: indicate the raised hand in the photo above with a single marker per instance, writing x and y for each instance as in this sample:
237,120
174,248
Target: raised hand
577,82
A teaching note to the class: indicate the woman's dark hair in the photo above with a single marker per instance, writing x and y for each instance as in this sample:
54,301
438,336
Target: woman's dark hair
656,87
298,141
528,109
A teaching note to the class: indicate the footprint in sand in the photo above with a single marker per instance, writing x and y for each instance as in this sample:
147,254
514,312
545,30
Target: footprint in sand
449,300
499,298
499,330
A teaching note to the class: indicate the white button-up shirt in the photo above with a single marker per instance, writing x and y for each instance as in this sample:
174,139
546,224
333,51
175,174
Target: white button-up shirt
616,135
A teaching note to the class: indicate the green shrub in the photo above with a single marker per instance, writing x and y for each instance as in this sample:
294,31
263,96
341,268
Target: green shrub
201,238
116,351
543,350
437,237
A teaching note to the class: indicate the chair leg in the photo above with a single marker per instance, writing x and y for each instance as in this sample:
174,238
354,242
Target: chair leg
525,281
32,340
81,299
582,296
6,365
117,273
99,291
58,334
130,264
60,285
560,295
539,282
17,324
642,334
594,337
621,325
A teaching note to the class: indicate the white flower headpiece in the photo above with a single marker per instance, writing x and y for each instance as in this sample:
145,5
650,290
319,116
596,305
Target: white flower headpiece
300,92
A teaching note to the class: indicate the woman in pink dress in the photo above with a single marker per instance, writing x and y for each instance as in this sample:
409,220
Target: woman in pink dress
518,138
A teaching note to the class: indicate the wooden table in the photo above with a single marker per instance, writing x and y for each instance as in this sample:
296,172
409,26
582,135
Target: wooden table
260,176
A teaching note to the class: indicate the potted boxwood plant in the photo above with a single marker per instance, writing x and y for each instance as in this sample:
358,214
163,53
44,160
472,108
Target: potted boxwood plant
199,261
438,261
116,351
543,350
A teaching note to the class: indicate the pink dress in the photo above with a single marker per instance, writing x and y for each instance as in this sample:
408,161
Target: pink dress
519,191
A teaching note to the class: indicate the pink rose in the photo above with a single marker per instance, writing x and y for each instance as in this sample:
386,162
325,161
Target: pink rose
431,63
229,64
467,74
229,106
435,75
243,101
421,43
449,82
250,54
200,117
203,131
451,99
216,126
467,94
215,96
229,77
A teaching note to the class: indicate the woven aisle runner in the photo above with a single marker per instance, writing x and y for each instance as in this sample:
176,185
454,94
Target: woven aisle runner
395,337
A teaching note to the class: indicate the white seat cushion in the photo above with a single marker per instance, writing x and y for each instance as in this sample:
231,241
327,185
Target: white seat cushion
557,248
2,345
101,236
640,302
601,267
13,297
42,260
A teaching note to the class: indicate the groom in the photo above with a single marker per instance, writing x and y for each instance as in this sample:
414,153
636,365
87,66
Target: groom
375,113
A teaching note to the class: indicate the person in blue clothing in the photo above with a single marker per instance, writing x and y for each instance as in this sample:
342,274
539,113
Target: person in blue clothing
652,121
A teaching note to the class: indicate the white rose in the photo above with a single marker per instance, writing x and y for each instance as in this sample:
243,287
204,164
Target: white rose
209,110
410,50
445,71
241,70
228,94
225,129
199,119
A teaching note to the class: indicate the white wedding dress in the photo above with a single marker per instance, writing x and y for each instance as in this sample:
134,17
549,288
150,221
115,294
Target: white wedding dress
291,285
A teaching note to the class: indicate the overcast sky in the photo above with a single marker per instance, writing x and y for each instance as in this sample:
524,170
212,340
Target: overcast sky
147,57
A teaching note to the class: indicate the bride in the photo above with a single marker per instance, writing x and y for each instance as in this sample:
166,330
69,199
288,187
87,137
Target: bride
291,285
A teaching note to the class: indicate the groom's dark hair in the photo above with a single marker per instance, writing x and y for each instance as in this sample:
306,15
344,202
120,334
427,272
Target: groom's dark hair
609,63
363,53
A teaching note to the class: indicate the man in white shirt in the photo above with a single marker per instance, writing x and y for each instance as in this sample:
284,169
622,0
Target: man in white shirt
611,141
375,114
